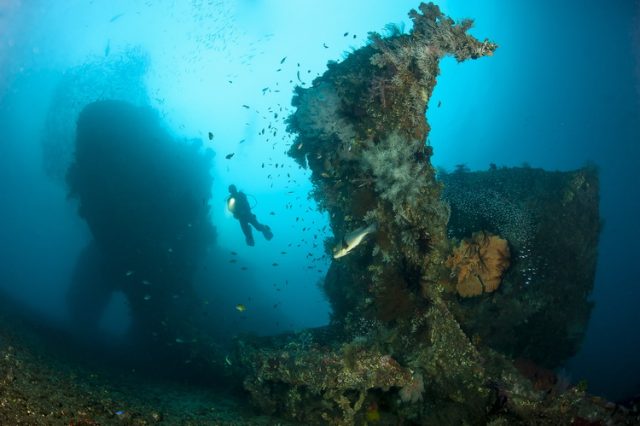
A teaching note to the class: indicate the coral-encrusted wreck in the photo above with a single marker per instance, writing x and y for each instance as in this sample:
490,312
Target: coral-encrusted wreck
403,346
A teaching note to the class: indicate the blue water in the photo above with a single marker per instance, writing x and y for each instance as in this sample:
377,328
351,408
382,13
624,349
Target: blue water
562,91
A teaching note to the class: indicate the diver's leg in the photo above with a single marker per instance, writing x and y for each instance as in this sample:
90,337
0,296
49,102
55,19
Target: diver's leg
248,234
254,221
266,231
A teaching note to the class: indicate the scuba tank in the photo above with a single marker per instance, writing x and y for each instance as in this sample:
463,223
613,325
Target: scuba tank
231,202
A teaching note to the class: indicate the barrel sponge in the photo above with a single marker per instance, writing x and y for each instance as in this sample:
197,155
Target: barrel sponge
478,264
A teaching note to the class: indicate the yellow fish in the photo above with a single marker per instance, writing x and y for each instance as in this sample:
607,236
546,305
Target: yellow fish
240,307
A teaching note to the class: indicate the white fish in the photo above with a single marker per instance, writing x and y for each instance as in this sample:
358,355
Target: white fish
147,297
129,273
352,240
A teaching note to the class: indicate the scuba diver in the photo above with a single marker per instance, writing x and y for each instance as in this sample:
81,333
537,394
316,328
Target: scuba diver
238,204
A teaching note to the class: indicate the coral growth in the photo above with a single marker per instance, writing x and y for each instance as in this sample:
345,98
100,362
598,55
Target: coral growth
412,391
361,125
394,299
478,264
394,169
319,113
316,383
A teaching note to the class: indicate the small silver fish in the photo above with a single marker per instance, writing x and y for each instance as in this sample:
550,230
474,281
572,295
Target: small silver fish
352,240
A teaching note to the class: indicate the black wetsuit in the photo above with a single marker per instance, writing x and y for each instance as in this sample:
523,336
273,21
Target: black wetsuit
242,211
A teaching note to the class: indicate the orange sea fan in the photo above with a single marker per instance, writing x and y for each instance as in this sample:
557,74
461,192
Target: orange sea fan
478,264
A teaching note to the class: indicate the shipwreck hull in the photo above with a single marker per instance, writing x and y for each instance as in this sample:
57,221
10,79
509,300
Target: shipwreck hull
552,223
406,345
